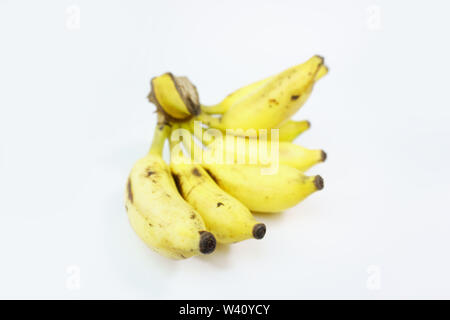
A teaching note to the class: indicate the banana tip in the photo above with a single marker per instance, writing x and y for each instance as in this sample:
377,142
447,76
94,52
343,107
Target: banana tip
308,124
207,242
323,155
322,59
259,231
318,182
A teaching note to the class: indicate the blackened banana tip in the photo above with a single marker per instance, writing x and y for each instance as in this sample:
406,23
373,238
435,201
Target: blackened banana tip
323,155
308,123
320,57
318,182
207,242
259,231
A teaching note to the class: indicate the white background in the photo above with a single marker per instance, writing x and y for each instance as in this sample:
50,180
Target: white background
74,118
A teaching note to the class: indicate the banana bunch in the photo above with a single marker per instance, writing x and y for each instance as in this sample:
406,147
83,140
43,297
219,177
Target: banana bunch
208,191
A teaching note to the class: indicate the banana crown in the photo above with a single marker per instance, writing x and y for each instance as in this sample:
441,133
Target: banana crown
176,97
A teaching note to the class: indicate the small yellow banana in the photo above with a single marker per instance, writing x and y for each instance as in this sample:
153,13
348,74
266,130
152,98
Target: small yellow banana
273,104
291,129
245,92
227,218
264,193
260,192
299,157
158,213
235,97
176,97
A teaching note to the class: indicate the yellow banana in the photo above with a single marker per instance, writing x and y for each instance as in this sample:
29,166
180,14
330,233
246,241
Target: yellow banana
227,218
158,213
235,97
299,157
244,92
273,104
290,129
264,193
272,192
256,151
176,97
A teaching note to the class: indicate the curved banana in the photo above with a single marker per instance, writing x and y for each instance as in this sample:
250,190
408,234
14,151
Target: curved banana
176,97
158,213
235,97
264,193
257,191
291,129
300,157
227,218
273,104
246,91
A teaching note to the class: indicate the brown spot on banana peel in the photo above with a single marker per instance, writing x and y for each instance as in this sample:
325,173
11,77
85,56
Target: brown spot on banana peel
318,182
129,191
259,231
196,172
295,97
219,204
274,101
207,242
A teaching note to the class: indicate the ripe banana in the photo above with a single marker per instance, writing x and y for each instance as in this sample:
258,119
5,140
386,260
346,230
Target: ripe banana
258,192
274,103
227,218
176,97
157,212
264,193
236,96
290,129
244,92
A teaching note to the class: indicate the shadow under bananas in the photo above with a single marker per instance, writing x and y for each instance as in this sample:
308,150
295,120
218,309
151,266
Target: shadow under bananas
220,258
270,219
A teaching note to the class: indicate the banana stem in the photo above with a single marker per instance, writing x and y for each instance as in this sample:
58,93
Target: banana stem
195,151
204,136
210,121
159,138
172,145
215,109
